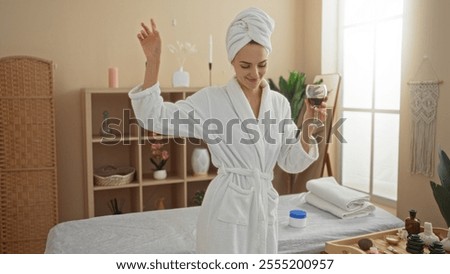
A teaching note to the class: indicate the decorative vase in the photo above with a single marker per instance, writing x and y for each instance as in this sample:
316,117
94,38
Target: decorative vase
200,161
160,174
180,78
427,236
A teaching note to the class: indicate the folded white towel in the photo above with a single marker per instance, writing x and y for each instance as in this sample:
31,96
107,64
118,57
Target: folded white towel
250,24
365,209
343,197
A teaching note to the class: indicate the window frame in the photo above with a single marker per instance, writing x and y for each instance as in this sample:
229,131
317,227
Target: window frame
372,110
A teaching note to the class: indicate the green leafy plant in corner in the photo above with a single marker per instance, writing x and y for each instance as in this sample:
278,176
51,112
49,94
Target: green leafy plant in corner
198,197
293,89
442,192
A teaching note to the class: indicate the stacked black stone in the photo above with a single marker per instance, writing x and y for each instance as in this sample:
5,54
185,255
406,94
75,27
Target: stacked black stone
436,248
415,244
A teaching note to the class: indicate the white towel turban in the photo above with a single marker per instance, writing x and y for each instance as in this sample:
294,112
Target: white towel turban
250,24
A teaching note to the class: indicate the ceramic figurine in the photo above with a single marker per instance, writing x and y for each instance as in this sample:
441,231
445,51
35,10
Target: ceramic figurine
160,204
427,236
402,234
105,130
412,224
446,242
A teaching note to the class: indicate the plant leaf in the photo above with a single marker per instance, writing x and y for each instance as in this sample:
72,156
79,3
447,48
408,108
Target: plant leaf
295,106
273,86
302,77
293,79
284,87
318,82
154,163
293,89
444,169
442,197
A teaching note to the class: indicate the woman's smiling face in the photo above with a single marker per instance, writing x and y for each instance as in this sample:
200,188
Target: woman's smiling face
250,66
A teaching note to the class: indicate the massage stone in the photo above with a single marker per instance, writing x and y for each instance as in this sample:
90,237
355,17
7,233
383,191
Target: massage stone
415,244
365,244
436,248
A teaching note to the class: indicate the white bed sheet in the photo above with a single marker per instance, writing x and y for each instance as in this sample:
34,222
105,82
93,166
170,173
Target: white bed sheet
173,230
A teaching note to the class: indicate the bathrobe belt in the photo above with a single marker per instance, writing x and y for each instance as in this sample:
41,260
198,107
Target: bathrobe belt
261,182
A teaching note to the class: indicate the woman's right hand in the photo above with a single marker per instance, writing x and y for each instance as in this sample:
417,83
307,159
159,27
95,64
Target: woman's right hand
150,42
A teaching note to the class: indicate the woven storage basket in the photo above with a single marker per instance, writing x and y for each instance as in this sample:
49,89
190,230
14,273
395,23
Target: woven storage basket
112,176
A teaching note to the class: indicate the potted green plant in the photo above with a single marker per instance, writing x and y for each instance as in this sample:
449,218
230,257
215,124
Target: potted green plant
159,158
198,197
442,192
293,89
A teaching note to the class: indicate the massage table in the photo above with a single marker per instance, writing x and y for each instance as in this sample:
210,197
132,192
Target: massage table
172,231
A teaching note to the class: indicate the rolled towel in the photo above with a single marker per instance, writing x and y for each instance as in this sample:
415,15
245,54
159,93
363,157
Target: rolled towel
365,209
250,24
343,197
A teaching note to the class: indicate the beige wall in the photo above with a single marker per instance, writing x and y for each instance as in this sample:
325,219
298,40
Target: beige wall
84,38
312,21
425,33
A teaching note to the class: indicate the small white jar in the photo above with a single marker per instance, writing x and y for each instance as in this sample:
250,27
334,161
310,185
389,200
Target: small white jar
297,218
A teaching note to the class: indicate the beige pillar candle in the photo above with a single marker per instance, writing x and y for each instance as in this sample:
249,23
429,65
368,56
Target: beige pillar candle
113,77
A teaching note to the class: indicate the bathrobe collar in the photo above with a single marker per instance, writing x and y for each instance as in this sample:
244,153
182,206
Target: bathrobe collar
244,112
240,102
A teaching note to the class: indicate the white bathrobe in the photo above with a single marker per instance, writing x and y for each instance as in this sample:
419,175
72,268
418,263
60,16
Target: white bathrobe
239,211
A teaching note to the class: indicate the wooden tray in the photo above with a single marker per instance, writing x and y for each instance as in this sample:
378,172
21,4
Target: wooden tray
350,245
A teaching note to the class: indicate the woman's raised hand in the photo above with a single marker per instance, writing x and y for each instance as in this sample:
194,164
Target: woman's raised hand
151,45
150,42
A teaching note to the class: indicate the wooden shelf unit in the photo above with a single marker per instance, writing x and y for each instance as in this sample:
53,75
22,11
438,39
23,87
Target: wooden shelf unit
131,147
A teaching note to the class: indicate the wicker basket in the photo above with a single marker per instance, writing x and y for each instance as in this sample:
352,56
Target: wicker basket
112,176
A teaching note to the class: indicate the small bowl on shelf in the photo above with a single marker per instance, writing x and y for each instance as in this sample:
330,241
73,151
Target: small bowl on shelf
392,239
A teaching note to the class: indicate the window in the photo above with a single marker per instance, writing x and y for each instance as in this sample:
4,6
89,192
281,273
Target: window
370,61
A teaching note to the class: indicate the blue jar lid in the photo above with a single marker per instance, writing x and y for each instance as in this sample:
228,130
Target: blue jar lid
297,214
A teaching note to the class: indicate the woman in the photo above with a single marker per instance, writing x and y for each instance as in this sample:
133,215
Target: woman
250,135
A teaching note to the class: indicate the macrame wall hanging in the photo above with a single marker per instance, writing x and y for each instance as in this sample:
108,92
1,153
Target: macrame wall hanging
424,101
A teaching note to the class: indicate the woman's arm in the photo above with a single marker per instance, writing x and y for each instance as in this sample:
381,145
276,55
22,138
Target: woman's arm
295,157
151,45
182,118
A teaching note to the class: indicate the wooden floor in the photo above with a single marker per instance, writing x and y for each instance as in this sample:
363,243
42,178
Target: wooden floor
392,210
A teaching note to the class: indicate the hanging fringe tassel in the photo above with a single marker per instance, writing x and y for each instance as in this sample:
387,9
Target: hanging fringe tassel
424,99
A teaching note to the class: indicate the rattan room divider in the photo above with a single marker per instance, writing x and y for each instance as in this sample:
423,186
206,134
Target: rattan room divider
28,188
